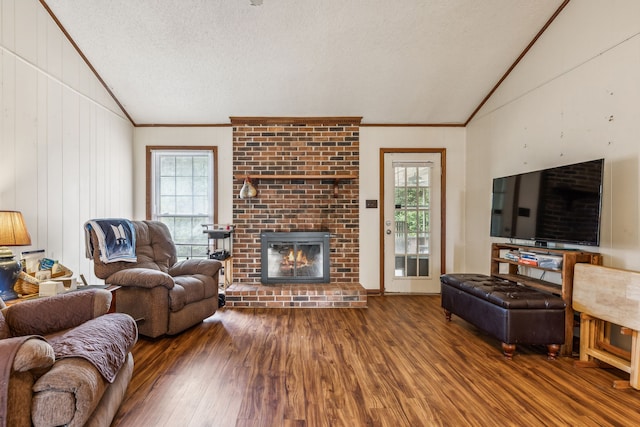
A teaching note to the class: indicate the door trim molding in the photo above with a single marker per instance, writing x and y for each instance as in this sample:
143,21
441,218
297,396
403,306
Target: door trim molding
443,204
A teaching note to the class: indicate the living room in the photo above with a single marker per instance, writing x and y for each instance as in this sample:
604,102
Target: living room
71,153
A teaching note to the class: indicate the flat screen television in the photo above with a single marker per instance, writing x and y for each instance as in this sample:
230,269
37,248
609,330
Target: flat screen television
561,204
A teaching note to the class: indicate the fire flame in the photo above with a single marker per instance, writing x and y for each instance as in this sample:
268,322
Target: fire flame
299,258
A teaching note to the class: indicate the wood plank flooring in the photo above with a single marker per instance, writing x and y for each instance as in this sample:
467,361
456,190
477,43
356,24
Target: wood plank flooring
396,363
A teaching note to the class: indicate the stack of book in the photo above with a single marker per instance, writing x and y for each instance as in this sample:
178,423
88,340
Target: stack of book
529,258
512,256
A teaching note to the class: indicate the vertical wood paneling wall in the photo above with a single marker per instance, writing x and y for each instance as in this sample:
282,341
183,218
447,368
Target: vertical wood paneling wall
66,148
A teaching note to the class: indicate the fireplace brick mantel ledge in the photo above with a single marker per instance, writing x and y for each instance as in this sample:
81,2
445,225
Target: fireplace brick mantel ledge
347,295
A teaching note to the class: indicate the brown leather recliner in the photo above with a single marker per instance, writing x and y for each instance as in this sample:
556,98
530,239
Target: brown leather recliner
164,295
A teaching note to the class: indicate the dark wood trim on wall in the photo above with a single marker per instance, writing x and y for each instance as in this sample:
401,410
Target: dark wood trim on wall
184,125
517,61
413,125
354,121
150,148
84,58
443,204
280,120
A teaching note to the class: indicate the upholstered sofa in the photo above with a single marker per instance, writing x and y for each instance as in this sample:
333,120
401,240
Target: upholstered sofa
164,295
64,360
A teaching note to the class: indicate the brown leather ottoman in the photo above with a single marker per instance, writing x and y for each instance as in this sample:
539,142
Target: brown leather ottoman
512,313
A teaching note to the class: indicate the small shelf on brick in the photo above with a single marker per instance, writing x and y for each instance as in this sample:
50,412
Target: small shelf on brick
335,178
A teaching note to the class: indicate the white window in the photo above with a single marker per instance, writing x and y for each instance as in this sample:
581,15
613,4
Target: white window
181,193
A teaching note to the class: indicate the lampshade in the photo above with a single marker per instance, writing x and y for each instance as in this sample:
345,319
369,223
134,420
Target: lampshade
13,231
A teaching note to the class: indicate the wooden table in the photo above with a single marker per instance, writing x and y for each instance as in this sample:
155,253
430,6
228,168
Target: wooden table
605,296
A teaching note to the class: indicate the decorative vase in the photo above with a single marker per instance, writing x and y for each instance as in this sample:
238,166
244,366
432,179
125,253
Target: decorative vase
248,190
9,271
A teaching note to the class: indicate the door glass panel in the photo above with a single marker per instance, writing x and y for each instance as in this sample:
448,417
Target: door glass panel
411,215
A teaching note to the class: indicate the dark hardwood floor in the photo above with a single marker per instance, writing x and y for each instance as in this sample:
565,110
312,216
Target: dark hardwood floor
396,363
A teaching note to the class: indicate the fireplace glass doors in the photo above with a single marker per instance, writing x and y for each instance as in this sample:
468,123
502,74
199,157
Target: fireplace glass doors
295,257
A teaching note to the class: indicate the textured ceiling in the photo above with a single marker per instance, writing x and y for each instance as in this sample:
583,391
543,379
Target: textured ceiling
202,61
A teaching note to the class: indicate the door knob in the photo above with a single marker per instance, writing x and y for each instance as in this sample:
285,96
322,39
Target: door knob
388,231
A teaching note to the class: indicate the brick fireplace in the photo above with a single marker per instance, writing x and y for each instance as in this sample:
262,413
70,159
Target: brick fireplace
306,173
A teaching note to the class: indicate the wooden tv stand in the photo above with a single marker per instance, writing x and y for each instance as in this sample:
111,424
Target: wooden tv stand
565,290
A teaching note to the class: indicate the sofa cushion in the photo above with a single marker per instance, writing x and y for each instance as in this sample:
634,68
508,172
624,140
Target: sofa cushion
193,287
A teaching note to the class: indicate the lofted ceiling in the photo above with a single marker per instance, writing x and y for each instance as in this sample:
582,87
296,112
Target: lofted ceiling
194,62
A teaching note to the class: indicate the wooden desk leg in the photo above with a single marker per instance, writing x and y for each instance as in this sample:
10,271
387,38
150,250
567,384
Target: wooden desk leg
635,360
586,336
587,339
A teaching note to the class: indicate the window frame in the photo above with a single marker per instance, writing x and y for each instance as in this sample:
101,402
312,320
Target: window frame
149,178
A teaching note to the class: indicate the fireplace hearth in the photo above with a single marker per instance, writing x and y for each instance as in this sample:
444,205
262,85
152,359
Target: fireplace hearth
300,257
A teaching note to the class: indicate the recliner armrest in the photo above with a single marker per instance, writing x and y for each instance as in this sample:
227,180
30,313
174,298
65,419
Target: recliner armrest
34,354
207,267
141,278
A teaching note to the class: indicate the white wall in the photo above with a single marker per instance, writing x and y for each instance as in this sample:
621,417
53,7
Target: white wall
220,137
574,97
66,146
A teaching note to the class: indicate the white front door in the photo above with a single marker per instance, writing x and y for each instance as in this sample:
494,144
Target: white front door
412,223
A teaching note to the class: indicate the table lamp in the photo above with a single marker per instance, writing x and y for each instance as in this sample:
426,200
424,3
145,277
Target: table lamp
13,232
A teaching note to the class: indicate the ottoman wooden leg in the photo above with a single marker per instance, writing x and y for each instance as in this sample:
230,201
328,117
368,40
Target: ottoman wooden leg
447,314
508,350
552,351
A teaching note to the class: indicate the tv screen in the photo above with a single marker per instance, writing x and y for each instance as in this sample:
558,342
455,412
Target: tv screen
560,204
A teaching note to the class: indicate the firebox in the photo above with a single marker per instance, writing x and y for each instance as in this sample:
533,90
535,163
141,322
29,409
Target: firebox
295,257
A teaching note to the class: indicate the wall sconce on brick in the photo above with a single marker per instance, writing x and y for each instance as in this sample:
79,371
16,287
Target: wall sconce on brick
248,191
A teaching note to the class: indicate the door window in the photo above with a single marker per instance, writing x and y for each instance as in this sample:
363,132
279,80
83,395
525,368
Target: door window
412,213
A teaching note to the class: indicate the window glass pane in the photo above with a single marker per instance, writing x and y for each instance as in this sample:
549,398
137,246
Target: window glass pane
167,186
184,186
183,251
200,166
200,186
401,196
167,166
423,197
423,243
167,205
182,230
184,166
200,205
184,205
423,172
